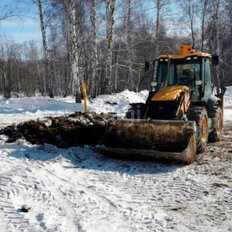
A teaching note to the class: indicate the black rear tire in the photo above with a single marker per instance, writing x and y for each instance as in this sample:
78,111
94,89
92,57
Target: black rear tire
216,117
200,116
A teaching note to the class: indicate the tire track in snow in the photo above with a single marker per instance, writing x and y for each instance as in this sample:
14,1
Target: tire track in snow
119,195
90,207
12,217
68,214
177,193
40,195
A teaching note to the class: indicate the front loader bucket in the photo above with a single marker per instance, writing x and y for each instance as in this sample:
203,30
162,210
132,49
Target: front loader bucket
150,139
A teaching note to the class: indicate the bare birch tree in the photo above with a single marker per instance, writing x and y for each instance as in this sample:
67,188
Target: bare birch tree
49,82
215,37
204,6
110,9
159,5
129,41
189,8
75,49
3,73
7,11
94,52
157,29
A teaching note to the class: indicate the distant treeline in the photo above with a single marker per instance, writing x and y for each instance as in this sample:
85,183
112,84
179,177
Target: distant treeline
105,44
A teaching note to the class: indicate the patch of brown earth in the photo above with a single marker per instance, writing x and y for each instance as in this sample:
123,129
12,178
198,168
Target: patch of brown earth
66,131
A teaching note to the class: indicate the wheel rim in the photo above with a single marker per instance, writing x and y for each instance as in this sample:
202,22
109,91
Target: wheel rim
219,124
204,130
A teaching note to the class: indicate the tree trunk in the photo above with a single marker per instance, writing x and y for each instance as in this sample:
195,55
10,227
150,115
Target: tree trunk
49,81
93,20
188,7
217,44
110,8
75,51
157,32
116,70
191,12
68,77
203,16
129,44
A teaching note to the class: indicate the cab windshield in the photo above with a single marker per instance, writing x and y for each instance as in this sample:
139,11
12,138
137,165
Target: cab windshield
181,72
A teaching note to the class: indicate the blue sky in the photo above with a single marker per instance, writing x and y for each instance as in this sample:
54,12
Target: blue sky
27,26
23,28
20,31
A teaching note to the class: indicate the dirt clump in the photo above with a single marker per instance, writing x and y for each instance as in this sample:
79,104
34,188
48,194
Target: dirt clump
66,131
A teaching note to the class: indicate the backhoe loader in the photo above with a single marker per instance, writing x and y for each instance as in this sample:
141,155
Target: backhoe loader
180,116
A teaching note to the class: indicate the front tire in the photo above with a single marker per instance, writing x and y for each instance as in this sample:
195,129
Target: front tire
200,116
216,117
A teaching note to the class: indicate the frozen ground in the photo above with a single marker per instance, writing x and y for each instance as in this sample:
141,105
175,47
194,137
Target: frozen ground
77,189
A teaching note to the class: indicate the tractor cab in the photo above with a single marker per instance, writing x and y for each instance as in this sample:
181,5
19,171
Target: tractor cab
189,69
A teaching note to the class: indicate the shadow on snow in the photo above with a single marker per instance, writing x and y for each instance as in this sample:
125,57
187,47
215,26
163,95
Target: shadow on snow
87,158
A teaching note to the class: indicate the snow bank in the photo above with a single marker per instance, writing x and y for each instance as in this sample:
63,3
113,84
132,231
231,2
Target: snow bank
118,103
16,110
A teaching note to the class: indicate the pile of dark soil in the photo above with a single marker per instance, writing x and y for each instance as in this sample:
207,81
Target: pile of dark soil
66,131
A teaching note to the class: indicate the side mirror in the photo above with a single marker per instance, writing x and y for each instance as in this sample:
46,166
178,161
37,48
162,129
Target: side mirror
215,60
147,66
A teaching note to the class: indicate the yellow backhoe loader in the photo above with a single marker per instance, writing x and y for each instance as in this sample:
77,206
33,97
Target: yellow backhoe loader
179,117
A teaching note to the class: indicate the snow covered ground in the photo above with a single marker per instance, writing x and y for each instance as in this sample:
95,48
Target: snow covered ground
16,110
77,189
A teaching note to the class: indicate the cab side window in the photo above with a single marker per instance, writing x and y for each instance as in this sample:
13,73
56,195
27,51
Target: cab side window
207,78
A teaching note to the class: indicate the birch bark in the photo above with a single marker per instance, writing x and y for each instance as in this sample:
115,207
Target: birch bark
110,8
129,44
203,16
191,13
93,20
75,51
49,82
157,33
189,6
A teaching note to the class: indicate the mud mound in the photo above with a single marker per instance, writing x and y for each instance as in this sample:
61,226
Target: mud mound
66,131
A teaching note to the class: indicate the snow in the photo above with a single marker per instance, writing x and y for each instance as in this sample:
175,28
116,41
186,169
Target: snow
16,110
78,189
121,102
228,97
228,104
